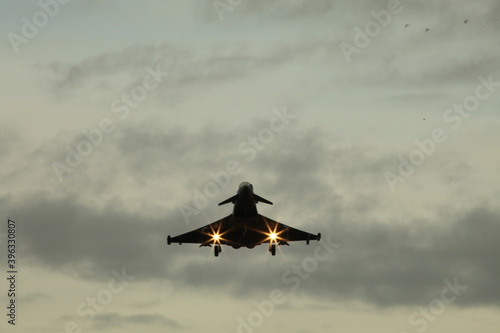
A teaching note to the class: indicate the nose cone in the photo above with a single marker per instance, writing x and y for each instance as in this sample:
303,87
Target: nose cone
245,188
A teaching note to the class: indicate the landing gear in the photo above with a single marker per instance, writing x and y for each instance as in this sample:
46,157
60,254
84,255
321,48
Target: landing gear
217,250
272,249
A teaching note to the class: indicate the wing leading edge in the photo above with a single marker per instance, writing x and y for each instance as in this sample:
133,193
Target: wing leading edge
210,233
244,232
283,233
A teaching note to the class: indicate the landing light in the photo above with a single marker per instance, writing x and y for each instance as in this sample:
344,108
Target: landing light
216,237
273,236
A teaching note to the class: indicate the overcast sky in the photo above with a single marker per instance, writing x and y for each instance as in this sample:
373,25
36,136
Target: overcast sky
372,122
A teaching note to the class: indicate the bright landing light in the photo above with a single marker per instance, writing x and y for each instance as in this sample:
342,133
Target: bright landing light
273,236
216,237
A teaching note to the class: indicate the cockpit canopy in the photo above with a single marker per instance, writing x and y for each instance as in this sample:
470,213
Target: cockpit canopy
246,184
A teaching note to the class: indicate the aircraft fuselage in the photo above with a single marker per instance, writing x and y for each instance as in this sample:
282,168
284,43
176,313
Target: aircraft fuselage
245,205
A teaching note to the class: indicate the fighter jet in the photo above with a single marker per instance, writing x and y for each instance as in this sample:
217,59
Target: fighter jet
244,227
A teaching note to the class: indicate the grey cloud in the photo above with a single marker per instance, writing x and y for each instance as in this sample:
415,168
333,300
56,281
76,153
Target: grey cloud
436,72
395,60
33,297
64,235
454,173
189,67
9,138
148,304
89,231
412,260
378,263
116,320
112,73
450,53
264,11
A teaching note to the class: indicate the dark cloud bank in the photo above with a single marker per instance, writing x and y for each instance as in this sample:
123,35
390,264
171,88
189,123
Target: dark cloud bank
385,263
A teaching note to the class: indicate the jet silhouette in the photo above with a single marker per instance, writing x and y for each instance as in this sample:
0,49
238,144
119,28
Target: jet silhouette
245,227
